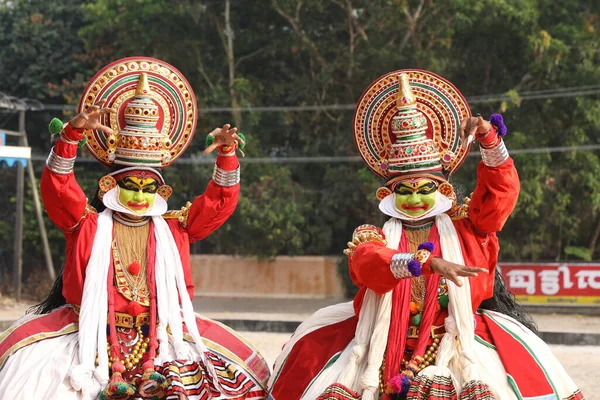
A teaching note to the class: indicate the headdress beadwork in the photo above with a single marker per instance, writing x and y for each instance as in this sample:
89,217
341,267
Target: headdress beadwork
406,124
156,113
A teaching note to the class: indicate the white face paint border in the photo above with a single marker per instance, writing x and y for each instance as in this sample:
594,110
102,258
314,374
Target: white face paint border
388,207
111,200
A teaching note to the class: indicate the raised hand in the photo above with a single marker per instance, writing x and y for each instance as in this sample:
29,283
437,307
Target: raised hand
90,118
225,136
452,271
474,126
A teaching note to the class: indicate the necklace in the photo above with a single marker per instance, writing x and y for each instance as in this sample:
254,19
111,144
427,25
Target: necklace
418,226
129,256
126,220
416,236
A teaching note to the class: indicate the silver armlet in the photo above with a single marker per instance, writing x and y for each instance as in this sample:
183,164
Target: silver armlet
495,156
59,165
226,178
399,265
68,141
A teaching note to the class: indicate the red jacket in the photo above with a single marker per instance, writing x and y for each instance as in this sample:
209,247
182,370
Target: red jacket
66,203
492,202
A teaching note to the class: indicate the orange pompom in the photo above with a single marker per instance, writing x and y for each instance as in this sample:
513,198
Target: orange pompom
413,308
134,268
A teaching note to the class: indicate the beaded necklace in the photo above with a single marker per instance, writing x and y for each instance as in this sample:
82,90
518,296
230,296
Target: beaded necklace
129,256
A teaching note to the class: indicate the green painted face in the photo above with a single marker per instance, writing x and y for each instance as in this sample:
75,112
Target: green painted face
415,197
137,195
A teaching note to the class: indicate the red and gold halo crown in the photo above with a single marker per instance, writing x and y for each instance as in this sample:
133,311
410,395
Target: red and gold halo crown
406,124
156,113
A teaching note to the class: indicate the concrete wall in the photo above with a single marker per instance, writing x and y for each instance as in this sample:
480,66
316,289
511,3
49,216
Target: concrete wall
307,276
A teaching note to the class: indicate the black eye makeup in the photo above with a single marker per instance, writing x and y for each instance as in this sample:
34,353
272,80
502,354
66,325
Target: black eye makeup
403,190
427,188
150,189
130,185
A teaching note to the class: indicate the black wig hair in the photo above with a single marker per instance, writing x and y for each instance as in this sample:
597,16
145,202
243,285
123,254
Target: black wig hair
505,302
55,298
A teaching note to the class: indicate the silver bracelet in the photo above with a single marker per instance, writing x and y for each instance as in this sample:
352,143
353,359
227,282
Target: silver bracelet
68,141
59,165
399,265
226,178
495,156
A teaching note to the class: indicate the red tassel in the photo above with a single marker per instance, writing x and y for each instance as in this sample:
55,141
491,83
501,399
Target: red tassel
153,385
117,387
134,268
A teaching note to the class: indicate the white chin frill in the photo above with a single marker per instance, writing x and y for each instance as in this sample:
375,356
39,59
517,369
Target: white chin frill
388,207
111,200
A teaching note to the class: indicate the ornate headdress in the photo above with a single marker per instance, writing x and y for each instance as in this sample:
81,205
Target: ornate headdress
406,125
156,113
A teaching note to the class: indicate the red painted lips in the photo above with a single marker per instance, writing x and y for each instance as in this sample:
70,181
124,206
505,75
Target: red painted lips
138,206
415,208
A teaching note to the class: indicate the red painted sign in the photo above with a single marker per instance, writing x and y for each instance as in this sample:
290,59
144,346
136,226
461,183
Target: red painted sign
558,284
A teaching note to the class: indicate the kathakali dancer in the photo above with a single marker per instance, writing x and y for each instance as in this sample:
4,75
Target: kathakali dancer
415,328
119,323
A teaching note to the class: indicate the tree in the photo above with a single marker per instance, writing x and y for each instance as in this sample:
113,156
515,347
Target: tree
319,52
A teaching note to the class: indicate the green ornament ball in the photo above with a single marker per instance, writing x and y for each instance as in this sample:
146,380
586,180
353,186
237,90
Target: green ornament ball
416,320
443,300
82,143
55,126
242,145
209,140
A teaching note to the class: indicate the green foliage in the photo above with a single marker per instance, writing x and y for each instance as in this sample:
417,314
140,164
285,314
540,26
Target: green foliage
315,52
579,252
39,46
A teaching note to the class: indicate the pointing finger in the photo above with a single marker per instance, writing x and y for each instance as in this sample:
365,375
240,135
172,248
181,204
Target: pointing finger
456,281
236,137
105,129
476,269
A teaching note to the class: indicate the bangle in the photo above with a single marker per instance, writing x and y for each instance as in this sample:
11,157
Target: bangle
226,178
399,265
408,265
489,139
426,267
68,141
59,165
495,156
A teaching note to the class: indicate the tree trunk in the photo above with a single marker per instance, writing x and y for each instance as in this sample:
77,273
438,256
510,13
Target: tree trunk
594,240
234,98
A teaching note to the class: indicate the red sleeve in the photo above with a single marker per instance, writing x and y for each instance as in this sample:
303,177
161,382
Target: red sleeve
212,208
370,267
63,199
495,196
